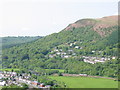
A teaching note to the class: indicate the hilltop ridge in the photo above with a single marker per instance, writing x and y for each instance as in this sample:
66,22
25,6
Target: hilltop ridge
96,24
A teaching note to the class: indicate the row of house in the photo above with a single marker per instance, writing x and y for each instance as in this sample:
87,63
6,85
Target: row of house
34,83
2,83
14,78
88,59
40,85
65,74
7,74
94,60
75,46
61,53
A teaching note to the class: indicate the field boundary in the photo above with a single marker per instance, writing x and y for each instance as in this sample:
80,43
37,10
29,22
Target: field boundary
77,75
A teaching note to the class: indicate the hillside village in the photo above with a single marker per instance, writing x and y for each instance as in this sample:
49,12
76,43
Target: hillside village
70,53
13,78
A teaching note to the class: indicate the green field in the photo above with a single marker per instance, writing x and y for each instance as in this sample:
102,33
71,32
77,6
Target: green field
60,70
86,82
0,87
10,69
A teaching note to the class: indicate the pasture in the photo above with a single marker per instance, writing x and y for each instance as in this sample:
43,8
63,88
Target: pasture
10,69
60,70
86,82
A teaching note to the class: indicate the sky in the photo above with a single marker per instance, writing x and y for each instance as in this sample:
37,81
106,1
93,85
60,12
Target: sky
44,17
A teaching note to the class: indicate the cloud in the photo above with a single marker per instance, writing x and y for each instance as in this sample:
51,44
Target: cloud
54,23
25,29
116,13
61,1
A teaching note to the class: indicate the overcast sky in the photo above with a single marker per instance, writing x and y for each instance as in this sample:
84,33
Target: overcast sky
43,17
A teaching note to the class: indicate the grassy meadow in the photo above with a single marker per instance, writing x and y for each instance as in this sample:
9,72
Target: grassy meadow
0,87
60,70
86,82
10,69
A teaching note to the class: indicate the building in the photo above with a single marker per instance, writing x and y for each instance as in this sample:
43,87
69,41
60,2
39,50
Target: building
42,85
113,57
88,61
93,51
2,83
77,47
99,61
35,83
66,56
48,86
83,74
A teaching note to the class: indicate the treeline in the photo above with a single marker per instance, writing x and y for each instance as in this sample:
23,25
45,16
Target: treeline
8,42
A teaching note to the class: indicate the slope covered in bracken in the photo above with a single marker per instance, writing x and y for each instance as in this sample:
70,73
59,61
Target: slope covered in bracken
97,24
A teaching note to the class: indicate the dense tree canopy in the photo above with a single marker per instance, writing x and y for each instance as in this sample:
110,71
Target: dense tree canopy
36,55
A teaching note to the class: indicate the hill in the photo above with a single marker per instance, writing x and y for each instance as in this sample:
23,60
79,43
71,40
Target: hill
86,46
8,42
97,24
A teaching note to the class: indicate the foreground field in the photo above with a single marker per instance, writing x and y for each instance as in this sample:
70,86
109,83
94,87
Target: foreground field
10,69
0,87
86,82
60,70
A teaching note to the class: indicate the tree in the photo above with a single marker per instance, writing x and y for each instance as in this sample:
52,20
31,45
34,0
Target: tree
25,86
60,74
25,56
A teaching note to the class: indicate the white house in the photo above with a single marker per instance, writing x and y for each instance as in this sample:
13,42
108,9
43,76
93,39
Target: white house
77,47
71,44
66,56
58,53
93,51
83,74
2,83
113,57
